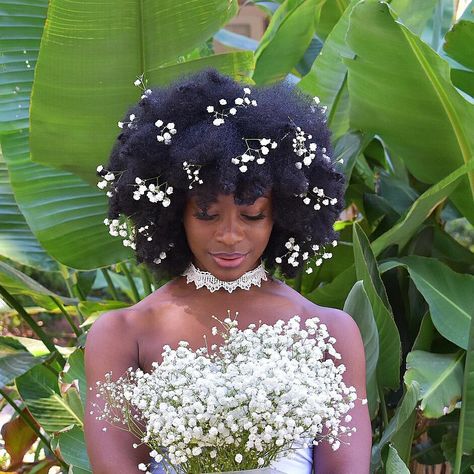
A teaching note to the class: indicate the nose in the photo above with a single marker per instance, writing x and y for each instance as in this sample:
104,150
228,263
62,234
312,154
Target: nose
229,231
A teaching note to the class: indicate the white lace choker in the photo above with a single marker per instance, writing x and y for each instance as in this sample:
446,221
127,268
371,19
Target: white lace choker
200,279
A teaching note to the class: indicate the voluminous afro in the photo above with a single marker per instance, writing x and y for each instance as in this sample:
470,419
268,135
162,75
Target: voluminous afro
298,183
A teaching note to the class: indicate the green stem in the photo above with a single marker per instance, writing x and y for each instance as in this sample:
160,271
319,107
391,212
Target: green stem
58,303
34,428
67,281
133,287
383,406
13,302
146,280
111,286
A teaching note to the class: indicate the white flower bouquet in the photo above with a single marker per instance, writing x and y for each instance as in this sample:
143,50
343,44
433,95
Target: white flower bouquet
239,406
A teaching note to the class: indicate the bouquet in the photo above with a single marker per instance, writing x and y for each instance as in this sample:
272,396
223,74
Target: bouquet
237,406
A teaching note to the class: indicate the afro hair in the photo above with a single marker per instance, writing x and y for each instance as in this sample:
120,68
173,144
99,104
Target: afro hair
204,157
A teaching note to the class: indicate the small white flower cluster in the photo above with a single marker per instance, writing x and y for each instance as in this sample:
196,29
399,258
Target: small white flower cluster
122,229
224,112
163,255
107,179
154,193
129,124
318,196
254,154
193,173
145,230
165,136
140,82
294,253
306,155
240,406
317,105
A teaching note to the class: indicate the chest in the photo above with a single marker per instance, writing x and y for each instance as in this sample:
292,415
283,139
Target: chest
180,323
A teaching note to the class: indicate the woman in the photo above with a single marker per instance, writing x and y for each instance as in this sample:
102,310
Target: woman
222,183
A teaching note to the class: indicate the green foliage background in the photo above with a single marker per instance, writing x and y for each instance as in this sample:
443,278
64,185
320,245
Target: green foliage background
397,78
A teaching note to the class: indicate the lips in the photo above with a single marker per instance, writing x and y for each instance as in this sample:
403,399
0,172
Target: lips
228,260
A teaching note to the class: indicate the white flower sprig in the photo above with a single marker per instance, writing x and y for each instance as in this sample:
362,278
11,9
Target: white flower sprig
165,131
107,179
145,230
130,124
142,84
232,110
122,229
316,198
192,172
163,255
254,154
155,193
239,406
294,253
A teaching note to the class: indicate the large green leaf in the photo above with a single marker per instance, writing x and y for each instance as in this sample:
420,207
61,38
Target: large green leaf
59,208
440,378
446,293
410,223
333,294
72,445
389,339
327,78
394,464
40,391
75,371
402,91
15,360
331,13
459,43
21,24
286,39
17,283
465,440
16,240
75,107
358,306
414,15
402,413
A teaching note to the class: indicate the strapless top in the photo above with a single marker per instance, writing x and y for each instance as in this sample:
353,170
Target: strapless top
300,462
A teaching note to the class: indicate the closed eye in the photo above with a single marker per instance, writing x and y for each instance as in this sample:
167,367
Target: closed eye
254,218
202,215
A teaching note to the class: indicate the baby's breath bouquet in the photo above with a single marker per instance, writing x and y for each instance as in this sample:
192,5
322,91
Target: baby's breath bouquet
238,406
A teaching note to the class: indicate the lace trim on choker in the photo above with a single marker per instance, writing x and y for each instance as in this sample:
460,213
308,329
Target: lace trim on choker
200,279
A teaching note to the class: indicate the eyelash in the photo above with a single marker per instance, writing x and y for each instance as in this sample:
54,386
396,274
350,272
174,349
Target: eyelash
205,217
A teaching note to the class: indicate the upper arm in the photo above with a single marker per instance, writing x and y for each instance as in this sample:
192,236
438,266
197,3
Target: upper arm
354,457
110,346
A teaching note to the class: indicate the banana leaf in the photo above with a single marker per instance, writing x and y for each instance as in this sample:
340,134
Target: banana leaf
402,91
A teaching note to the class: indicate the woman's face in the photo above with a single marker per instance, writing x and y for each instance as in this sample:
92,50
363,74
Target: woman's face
227,239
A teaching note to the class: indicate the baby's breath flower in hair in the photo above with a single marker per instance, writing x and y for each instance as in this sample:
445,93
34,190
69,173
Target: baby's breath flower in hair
122,229
154,192
192,171
165,131
253,153
316,198
218,115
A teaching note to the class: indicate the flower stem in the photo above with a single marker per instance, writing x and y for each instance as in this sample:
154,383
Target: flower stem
58,303
112,289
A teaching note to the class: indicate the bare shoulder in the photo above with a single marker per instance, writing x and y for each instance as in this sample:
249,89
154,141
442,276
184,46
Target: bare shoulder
340,324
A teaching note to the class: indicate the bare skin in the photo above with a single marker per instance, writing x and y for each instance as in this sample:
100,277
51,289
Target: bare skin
177,311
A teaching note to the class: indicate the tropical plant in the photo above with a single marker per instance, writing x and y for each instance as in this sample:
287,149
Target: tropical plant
397,79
